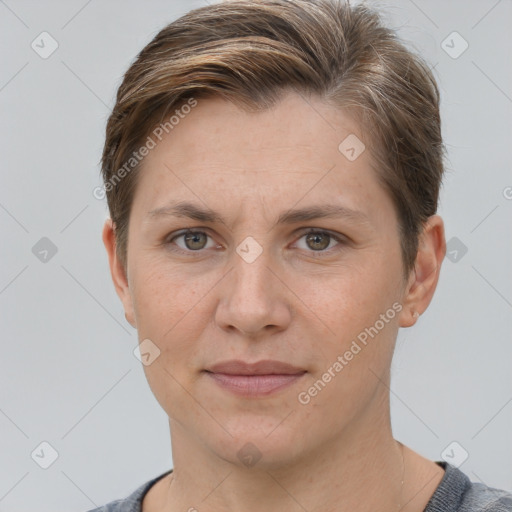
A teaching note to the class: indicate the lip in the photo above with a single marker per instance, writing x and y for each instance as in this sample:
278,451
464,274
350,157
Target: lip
265,367
254,379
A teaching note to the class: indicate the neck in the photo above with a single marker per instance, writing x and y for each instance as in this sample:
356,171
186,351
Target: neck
360,468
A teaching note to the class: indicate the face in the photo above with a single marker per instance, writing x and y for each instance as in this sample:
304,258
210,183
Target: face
255,282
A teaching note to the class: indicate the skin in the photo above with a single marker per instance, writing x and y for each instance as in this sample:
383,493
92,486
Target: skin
295,303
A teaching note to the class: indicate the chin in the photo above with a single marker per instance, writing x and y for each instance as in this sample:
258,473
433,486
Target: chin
264,444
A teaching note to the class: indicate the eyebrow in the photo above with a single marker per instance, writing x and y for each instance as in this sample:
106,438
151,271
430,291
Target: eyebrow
291,216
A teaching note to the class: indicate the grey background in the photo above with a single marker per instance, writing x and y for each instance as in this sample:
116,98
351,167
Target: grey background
68,375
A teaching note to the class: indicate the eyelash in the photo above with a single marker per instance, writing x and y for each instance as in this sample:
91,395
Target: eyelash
338,238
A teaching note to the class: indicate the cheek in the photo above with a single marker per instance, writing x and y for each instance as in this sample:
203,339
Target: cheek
352,374
354,319
171,310
340,302
164,297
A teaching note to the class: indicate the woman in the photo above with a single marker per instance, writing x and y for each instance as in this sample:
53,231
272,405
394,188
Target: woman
272,170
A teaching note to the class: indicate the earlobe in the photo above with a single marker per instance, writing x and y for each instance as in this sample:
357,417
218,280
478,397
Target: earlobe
424,278
117,271
130,319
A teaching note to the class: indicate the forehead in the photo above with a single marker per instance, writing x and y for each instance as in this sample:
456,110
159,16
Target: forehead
299,150
296,126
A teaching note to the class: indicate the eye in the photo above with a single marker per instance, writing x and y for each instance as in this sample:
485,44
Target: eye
320,241
193,241
317,241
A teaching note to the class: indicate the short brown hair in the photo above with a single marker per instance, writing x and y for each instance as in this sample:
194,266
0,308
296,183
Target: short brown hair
249,52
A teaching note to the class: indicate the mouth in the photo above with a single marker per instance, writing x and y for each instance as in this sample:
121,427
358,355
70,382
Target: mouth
254,379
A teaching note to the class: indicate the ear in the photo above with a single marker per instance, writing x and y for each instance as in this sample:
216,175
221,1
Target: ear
424,277
117,272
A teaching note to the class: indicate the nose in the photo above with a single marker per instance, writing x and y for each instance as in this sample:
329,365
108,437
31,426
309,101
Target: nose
254,298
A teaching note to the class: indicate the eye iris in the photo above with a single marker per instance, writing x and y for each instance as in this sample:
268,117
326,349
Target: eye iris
314,238
193,238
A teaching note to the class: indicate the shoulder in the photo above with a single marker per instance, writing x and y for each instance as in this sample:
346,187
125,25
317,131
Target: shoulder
480,497
121,505
457,493
133,502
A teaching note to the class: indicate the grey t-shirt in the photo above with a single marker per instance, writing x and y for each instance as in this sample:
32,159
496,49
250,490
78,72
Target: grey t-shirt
455,493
